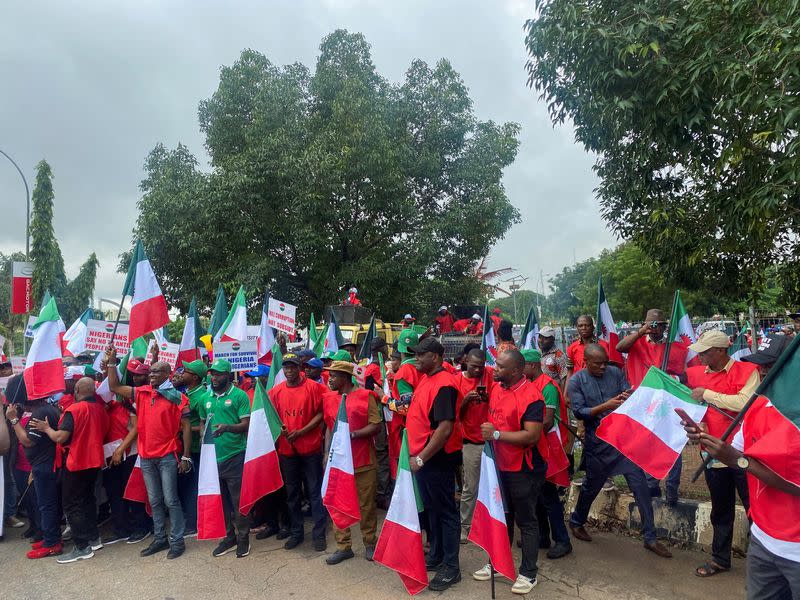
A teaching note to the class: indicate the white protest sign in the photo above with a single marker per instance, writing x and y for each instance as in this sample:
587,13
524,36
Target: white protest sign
17,364
98,336
168,352
29,326
243,356
281,316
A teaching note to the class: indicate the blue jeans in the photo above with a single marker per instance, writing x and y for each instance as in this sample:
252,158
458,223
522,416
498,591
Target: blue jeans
554,510
187,490
161,481
10,491
672,481
46,486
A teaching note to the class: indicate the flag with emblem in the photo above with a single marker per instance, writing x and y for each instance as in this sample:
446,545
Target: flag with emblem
261,474
680,327
339,494
266,337
148,306
192,332
529,339
235,326
135,489
606,327
488,342
646,427
333,337
210,515
400,542
365,353
388,415
739,349
488,529
75,336
219,314
44,373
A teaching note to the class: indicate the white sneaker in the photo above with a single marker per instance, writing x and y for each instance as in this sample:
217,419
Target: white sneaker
483,574
523,585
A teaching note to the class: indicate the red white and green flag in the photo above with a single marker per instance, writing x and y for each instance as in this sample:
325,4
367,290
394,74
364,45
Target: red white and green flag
488,342
44,373
135,489
529,339
680,326
219,314
488,529
266,337
339,493
192,332
646,427
234,329
75,336
261,474
606,327
557,459
333,336
400,543
148,306
210,514
739,349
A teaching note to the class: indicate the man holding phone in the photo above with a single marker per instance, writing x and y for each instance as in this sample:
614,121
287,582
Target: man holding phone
596,391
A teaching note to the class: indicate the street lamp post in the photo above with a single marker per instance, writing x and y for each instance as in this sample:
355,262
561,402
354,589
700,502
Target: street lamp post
28,206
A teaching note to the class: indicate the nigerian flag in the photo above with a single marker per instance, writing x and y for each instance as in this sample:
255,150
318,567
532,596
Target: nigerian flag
739,349
529,340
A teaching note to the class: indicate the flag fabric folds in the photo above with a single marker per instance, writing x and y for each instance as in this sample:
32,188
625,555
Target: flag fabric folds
219,314
339,493
365,352
44,373
606,327
210,514
529,339
192,331
739,349
75,336
235,326
488,342
266,337
680,326
780,384
148,306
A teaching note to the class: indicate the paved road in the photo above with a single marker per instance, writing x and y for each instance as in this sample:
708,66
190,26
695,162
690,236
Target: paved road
611,567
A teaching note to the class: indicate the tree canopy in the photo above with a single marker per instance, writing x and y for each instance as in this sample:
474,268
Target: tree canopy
692,109
325,180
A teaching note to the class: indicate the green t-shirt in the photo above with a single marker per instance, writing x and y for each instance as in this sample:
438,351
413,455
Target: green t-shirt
197,398
550,394
228,409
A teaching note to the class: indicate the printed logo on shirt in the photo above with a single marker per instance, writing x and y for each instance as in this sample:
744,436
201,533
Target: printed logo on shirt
208,405
228,402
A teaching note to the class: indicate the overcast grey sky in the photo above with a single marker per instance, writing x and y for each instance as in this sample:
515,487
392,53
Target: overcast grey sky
92,86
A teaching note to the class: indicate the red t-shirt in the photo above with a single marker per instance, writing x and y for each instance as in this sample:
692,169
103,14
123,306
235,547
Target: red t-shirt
373,370
461,325
474,415
724,382
575,353
296,407
118,417
645,354
357,407
445,323
158,422
476,329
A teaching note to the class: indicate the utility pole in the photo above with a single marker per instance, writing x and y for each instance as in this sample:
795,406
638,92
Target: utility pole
515,283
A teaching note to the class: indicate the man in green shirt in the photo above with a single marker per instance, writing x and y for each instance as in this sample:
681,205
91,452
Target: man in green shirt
549,507
227,412
193,379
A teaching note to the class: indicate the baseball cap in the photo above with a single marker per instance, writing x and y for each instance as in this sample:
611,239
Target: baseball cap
137,367
428,344
314,363
198,367
260,371
794,315
342,366
342,355
291,358
713,338
442,307
476,316
496,310
769,350
220,365
532,356
307,353
408,317
408,338
547,332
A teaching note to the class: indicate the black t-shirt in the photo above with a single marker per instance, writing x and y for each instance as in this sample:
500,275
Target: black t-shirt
43,450
444,409
534,414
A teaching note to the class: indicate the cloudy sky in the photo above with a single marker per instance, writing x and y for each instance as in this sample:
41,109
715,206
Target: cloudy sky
93,86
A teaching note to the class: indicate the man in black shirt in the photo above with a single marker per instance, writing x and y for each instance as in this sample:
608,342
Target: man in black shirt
40,451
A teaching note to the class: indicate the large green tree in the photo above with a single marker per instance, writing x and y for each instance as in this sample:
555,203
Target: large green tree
329,179
691,107
48,262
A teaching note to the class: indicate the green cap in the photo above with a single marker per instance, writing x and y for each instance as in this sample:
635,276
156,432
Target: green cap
342,355
532,356
221,366
408,338
198,367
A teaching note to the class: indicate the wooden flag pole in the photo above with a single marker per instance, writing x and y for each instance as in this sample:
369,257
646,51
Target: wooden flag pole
665,360
116,322
491,568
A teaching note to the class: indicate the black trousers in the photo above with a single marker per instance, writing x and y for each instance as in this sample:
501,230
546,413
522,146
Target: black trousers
296,471
127,517
521,491
437,483
230,484
724,483
80,505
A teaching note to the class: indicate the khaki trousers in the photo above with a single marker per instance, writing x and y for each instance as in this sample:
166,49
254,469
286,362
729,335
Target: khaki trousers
469,487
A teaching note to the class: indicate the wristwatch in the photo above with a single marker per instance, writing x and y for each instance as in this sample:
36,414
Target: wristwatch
419,461
496,435
743,462
14,421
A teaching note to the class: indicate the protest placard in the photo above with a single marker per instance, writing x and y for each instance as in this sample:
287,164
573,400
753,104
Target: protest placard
359,372
29,326
281,316
98,335
243,356
252,332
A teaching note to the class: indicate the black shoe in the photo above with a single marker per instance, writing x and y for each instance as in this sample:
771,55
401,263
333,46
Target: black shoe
138,536
432,565
444,578
242,548
224,547
559,551
282,534
267,532
176,551
369,553
672,500
320,545
655,492
154,548
114,539
292,542
30,532
339,556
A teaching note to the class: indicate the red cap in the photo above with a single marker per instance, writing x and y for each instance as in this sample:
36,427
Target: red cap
137,367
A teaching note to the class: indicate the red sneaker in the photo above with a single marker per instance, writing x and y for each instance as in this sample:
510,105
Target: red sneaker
37,545
45,551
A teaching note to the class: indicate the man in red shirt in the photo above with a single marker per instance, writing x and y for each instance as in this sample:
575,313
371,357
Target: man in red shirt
434,446
83,426
475,385
365,421
645,348
475,326
444,320
298,402
516,413
725,385
162,413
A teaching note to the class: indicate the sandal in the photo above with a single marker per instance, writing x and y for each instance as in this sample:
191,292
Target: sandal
709,570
